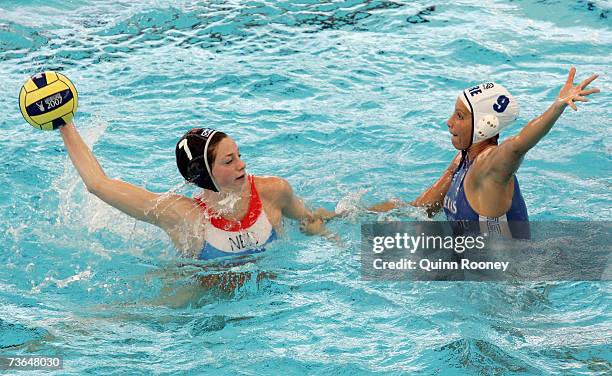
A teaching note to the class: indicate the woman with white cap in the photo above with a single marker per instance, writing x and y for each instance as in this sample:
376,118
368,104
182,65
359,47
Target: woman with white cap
480,183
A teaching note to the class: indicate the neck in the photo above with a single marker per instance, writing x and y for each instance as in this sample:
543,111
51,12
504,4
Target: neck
228,203
474,150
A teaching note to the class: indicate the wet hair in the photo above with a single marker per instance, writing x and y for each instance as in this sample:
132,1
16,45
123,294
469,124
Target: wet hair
211,153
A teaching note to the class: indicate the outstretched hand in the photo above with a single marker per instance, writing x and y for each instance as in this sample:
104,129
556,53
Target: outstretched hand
314,224
570,93
325,214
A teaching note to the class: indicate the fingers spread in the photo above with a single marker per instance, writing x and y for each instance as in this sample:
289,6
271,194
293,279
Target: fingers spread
580,99
586,82
590,91
570,76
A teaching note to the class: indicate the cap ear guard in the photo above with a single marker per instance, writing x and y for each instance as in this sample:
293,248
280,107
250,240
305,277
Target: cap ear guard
191,160
487,127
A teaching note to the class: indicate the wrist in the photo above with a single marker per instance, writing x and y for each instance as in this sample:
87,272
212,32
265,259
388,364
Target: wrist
67,125
559,105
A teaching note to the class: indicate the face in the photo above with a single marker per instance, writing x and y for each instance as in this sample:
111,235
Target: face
229,171
460,126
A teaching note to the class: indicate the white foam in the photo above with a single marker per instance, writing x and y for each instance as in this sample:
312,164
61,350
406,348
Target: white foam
78,209
62,283
350,206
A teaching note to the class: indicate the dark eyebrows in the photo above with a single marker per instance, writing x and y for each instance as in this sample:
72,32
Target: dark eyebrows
231,154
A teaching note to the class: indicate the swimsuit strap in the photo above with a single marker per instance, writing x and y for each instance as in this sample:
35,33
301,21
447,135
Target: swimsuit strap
253,212
464,159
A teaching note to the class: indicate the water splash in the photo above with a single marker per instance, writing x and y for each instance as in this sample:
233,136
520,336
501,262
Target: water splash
85,275
351,205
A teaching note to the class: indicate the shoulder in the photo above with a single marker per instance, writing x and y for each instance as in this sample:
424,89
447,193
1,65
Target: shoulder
272,187
502,157
491,166
174,209
483,164
486,156
178,200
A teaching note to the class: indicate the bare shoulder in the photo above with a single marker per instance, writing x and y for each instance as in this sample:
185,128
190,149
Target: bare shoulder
483,164
499,158
178,200
486,155
485,158
184,224
272,187
174,209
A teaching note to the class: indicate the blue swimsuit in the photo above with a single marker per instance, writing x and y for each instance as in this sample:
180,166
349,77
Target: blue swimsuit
514,223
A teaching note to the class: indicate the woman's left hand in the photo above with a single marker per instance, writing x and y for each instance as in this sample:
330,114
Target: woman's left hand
312,226
314,223
324,214
570,93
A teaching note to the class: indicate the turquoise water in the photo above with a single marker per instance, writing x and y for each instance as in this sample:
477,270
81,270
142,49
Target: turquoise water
348,101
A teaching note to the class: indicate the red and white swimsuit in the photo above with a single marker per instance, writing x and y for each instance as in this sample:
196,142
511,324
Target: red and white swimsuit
231,238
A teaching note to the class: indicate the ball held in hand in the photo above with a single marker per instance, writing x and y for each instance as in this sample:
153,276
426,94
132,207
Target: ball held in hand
48,100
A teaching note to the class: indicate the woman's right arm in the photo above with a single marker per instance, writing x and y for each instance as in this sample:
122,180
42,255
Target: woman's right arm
432,199
164,211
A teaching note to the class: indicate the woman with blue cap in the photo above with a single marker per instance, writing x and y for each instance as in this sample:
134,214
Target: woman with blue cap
480,184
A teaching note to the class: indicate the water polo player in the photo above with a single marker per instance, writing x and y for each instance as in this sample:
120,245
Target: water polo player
480,184
235,214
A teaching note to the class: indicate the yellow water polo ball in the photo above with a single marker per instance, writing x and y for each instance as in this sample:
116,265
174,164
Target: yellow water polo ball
48,100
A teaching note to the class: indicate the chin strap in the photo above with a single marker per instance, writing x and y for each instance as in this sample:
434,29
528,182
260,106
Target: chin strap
464,158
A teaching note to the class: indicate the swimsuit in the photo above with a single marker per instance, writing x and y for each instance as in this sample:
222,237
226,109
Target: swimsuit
514,223
231,238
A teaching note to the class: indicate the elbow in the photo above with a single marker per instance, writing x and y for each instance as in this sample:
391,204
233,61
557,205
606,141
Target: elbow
95,187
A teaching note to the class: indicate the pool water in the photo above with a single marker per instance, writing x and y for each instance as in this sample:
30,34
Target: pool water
348,101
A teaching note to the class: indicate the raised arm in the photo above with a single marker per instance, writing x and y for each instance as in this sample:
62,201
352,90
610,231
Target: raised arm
161,210
506,159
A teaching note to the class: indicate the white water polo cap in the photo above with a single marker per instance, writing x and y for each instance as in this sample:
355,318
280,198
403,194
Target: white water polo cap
493,108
